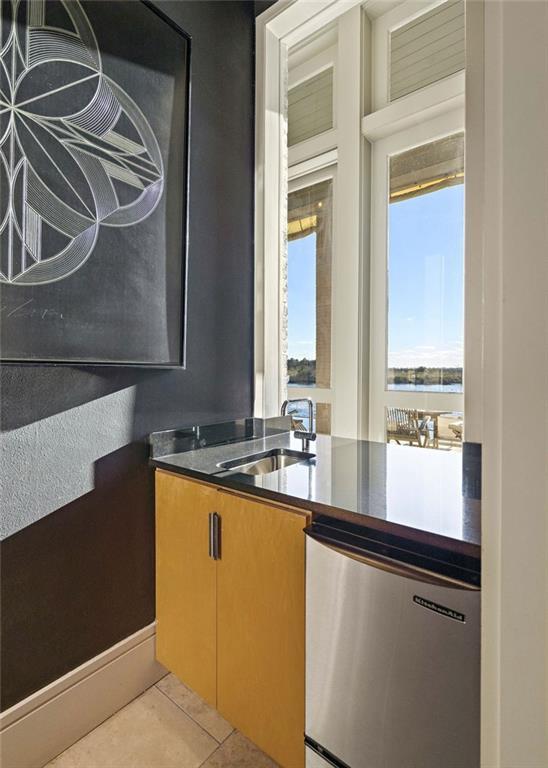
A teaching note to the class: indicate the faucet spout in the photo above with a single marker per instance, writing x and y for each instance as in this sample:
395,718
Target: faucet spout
301,433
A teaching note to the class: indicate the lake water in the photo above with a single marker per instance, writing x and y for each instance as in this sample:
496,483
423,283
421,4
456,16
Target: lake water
456,388
300,410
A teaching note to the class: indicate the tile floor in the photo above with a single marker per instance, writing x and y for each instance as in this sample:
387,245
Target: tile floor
168,726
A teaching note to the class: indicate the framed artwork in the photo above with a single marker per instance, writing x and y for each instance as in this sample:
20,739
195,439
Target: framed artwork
94,132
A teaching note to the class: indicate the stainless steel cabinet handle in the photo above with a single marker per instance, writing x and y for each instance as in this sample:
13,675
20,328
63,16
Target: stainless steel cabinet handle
214,534
210,534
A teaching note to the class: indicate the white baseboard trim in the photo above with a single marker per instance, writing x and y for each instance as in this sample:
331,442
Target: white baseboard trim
41,726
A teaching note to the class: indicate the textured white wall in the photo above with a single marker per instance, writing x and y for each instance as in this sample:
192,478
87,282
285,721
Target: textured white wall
50,462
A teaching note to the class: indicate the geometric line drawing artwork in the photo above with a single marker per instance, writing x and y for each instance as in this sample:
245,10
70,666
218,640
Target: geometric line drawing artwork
76,151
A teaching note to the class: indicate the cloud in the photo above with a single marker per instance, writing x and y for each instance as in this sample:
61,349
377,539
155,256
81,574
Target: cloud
450,356
302,349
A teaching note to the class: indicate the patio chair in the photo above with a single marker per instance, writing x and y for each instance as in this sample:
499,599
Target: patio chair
405,426
456,429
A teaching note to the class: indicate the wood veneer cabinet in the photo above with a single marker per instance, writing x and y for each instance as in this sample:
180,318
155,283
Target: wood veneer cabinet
186,599
241,615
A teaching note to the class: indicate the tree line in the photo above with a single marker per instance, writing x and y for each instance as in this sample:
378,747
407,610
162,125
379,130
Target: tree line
424,375
303,371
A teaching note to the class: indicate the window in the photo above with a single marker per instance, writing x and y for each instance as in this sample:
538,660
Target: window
308,298
416,376
426,267
370,326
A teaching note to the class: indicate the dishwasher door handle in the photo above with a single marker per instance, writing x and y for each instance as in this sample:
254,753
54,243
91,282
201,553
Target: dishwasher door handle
390,565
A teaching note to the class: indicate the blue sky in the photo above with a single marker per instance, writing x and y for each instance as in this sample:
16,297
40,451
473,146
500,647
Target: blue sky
301,298
426,281
425,319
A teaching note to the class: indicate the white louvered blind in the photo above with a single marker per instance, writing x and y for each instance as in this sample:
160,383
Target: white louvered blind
427,49
310,108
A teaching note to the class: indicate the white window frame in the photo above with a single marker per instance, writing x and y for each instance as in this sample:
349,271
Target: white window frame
327,140
432,112
311,67
380,397
279,28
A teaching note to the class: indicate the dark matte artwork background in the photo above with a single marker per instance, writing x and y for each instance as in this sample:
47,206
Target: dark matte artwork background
125,303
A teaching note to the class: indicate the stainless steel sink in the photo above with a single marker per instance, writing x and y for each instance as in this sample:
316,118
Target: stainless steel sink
268,461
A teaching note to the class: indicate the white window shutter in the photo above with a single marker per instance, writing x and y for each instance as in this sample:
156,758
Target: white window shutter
427,49
310,107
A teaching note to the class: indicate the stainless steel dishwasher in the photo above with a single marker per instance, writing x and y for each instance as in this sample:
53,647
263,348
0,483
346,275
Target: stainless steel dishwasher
392,653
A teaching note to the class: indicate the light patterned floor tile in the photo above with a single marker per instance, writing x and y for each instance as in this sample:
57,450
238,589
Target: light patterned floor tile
195,707
238,752
150,732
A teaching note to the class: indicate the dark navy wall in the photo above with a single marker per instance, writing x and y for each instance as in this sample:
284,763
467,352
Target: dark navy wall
77,495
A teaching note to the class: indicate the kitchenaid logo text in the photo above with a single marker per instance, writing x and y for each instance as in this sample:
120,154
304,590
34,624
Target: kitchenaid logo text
449,612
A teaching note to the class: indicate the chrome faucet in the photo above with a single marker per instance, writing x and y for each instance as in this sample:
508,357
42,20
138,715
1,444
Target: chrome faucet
300,432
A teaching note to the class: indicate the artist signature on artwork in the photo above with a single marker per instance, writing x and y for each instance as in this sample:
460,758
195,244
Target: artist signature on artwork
29,309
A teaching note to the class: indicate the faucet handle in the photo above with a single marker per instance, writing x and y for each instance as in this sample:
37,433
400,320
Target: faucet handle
306,437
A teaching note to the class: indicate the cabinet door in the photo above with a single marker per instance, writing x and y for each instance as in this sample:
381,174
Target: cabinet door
260,629
185,583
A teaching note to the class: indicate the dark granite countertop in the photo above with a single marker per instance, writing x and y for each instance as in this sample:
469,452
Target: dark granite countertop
426,496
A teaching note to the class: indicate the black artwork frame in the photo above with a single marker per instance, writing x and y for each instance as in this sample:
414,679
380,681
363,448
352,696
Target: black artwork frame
182,275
